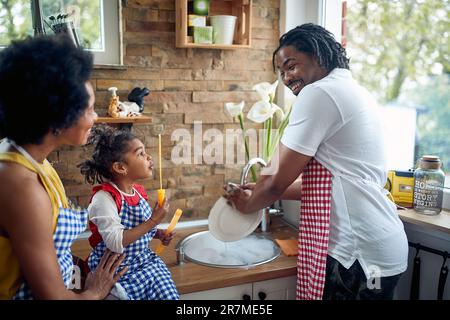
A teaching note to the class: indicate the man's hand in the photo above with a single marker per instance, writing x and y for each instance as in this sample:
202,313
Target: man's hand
238,199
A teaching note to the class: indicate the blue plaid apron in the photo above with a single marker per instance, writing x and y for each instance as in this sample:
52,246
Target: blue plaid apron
71,222
147,277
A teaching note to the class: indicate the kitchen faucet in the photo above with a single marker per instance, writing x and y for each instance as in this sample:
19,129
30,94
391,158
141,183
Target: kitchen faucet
248,166
267,212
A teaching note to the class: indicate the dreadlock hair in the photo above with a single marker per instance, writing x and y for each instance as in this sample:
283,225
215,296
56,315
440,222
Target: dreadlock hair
110,146
316,41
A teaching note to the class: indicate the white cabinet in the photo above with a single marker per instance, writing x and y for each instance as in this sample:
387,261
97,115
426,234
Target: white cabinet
227,293
274,289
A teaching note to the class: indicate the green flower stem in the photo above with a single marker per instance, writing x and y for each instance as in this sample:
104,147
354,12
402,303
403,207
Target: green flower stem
278,134
269,131
264,149
247,152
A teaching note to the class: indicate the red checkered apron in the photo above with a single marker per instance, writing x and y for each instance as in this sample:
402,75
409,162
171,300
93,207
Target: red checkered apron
314,231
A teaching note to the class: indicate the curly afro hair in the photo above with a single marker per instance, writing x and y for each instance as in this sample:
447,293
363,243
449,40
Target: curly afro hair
42,87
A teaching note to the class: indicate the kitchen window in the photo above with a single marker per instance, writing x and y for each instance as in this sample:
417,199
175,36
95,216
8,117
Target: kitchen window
399,51
403,124
97,24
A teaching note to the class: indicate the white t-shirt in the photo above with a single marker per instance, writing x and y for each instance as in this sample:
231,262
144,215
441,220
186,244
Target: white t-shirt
336,121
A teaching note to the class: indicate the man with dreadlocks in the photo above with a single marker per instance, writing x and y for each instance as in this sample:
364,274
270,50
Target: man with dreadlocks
352,244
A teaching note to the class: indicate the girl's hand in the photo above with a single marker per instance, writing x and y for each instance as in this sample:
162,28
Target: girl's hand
160,212
165,239
100,282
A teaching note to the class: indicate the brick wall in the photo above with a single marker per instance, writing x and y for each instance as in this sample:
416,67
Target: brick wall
186,85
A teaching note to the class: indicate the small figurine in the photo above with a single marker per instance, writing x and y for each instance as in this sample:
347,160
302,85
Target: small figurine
119,109
137,95
113,108
128,109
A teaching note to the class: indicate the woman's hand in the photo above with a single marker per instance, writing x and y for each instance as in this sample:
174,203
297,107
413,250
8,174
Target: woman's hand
165,238
99,283
160,212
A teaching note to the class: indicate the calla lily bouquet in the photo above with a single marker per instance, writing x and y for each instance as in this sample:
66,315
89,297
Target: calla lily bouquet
264,111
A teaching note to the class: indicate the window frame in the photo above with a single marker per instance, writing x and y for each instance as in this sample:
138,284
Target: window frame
112,34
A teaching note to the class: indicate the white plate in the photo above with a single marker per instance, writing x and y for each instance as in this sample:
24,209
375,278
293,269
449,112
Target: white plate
228,224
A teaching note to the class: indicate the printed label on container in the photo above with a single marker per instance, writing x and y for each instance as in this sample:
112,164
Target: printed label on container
428,193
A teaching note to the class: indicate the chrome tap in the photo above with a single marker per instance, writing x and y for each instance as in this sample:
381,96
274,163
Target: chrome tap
180,253
248,166
266,212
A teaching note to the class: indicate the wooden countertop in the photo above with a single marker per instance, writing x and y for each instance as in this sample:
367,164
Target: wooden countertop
440,222
191,277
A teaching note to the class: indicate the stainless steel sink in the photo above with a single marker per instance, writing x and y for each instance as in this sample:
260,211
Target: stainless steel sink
202,248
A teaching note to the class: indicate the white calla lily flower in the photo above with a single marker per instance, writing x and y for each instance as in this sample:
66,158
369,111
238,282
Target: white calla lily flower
261,111
234,109
278,110
264,112
266,90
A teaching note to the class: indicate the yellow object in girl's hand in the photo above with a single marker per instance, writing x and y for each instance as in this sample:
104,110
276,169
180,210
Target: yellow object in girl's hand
161,196
170,228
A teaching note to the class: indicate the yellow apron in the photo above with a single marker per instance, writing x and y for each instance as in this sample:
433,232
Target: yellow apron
10,275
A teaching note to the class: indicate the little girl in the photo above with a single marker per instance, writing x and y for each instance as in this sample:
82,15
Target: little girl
120,217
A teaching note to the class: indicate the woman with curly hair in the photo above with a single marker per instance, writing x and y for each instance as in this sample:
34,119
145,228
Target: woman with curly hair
46,101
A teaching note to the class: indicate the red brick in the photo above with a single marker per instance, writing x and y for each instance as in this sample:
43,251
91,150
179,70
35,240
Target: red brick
186,85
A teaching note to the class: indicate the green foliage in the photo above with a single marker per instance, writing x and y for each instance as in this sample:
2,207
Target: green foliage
15,20
434,122
400,51
393,41
16,23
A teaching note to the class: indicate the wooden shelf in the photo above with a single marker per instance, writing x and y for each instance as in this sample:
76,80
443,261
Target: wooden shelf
129,120
242,9
213,46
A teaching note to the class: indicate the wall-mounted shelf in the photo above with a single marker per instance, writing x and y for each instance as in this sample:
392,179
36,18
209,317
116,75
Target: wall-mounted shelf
132,120
242,9
124,123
